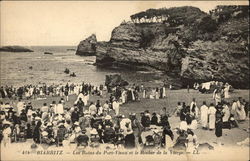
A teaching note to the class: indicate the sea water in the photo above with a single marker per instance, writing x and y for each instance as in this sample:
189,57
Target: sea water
36,67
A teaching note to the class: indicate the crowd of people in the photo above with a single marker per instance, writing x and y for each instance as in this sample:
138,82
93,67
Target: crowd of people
94,124
222,115
43,90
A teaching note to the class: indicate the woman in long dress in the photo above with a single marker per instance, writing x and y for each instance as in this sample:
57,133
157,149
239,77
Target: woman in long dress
241,112
226,92
226,113
211,113
218,124
163,92
123,96
217,96
204,115
144,93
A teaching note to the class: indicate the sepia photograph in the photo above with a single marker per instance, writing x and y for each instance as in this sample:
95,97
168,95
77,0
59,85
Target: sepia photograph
124,80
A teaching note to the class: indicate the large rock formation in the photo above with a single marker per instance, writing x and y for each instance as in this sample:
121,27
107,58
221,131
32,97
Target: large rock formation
15,49
115,80
87,47
192,46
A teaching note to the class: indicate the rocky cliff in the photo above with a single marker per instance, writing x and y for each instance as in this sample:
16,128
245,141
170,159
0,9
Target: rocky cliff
190,45
87,47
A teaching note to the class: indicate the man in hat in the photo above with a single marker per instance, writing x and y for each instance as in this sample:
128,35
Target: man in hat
108,134
74,116
94,138
61,132
129,138
82,139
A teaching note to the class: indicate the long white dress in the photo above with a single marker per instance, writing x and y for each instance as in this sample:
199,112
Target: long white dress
226,92
241,114
85,100
204,115
20,107
124,97
226,112
59,109
116,107
233,109
163,92
211,112
144,94
196,109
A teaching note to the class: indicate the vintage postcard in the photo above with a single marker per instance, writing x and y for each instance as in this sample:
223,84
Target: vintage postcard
124,80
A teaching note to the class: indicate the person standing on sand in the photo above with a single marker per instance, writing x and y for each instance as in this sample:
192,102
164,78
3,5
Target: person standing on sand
80,106
218,123
204,115
217,96
20,106
59,108
194,110
226,90
116,107
211,113
92,108
163,92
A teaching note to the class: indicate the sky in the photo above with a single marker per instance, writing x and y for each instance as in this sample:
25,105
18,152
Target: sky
48,23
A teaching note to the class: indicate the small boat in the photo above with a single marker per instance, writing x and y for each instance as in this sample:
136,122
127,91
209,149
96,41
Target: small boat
48,53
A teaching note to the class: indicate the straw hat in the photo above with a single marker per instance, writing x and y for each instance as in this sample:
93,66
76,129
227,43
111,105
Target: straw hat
37,118
49,124
5,122
153,127
93,132
108,117
60,124
44,133
86,112
76,123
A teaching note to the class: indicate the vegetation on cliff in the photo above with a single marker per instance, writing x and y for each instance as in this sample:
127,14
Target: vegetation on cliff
185,42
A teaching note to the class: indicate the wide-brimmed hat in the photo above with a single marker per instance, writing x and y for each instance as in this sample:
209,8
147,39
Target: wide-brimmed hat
86,112
44,133
153,127
108,117
49,124
5,122
93,132
60,124
76,123
37,118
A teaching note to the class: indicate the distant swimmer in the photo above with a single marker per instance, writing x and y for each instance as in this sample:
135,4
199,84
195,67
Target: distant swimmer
66,71
73,75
